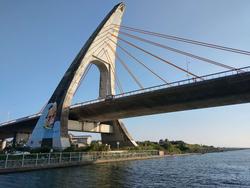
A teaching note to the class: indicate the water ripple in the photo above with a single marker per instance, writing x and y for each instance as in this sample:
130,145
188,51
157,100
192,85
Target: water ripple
228,169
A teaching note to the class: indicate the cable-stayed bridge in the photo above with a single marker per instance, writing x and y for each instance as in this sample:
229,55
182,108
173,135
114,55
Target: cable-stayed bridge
50,126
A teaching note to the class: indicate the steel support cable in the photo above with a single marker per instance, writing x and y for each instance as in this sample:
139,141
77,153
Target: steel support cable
140,62
175,38
118,84
100,57
101,42
101,33
97,55
94,46
88,67
100,47
157,57
104,37
110,26
179,51
121,90
107,58
83,76
87,70
126,67
101,37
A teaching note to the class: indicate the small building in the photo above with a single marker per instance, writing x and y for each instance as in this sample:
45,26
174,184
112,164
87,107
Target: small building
81,140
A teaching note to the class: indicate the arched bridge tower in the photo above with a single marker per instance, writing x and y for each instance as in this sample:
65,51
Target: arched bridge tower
51,129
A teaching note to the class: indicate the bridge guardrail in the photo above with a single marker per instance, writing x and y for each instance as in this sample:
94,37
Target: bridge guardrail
150,89
20,119
172,84
45,159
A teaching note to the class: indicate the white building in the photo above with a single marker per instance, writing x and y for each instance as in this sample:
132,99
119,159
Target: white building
80,141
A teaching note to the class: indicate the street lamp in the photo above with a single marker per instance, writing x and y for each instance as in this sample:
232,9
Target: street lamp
118,143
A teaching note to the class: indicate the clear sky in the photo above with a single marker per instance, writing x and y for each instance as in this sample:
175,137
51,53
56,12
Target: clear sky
39,40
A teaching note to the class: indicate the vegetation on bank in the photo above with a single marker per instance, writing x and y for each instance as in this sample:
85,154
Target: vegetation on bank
169,147
177,147
94,146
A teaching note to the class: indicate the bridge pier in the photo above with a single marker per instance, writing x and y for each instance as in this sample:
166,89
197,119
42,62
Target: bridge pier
51,130
111,132
120,134
89,127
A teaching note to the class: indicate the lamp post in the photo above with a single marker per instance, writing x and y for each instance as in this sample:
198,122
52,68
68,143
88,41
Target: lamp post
118,143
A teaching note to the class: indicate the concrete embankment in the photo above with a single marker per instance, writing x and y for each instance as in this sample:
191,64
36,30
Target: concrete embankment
30,162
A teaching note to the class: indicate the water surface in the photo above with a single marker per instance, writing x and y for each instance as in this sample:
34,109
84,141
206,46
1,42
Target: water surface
227,169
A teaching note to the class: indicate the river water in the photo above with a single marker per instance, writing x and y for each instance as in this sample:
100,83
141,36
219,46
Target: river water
227,169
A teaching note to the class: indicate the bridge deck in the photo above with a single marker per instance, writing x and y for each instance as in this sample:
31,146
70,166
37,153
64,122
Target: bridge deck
228,90
234,89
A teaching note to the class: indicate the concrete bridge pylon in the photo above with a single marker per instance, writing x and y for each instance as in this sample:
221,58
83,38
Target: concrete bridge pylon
51,129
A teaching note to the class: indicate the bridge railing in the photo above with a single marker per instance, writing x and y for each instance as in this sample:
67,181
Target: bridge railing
149,89
20,119
172,84
45,159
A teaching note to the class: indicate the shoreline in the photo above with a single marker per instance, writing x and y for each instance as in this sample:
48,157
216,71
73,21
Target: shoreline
73,164
76,164
97,161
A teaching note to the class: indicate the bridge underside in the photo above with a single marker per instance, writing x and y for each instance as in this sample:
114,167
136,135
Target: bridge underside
228,90
210,93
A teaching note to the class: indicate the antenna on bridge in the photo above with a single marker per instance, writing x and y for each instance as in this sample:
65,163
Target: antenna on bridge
187,64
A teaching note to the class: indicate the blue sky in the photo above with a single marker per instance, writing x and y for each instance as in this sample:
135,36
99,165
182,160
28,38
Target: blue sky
39,40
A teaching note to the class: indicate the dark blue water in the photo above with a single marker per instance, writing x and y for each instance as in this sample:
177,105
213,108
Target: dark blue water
228,169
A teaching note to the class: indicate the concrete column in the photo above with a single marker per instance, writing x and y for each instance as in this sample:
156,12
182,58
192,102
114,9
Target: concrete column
52,127
120,134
